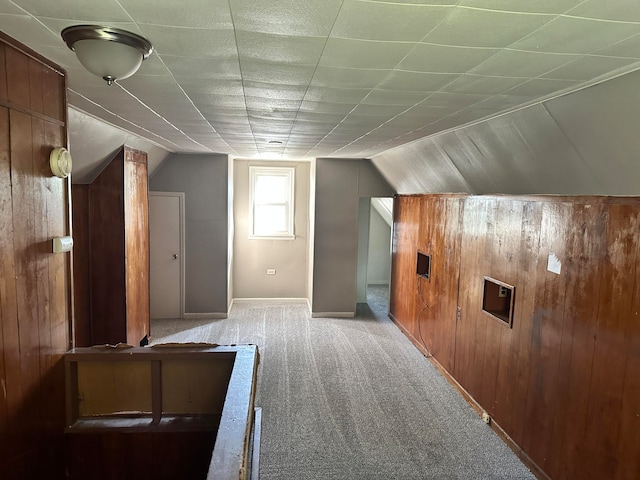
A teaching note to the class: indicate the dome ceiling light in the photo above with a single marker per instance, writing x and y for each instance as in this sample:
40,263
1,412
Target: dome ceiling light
107,52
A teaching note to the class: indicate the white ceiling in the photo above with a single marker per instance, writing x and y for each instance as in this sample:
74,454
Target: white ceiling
330,78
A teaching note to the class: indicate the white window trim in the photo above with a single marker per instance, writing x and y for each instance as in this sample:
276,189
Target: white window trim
289,173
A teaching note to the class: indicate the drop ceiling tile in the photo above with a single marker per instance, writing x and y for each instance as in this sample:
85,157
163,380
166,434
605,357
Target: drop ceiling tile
624,11
286,17
229,101
416,81
336,95
350,53
338,77
262,103
272,90
16,25
326,107
197,86
478,84
540,87
590,67
316,117
452,101
518,63
211,14
391,97
386,111
387,21
11,8
485,28
279,48
532,6
254,70
576,35
629,48
277,114
202,68
191,42
444,59
105,11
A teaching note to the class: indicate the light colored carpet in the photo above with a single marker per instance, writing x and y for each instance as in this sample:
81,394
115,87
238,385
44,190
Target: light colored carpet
352,398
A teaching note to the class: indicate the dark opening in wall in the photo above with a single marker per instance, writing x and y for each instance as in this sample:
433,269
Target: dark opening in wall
497,300
423,265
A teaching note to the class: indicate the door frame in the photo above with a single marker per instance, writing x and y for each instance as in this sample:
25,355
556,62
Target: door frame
181,198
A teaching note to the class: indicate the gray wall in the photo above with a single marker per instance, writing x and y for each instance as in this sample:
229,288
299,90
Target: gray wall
586,142
203,179
252,257
339,185
379,261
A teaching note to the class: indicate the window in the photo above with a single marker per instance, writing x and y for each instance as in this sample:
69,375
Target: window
271,202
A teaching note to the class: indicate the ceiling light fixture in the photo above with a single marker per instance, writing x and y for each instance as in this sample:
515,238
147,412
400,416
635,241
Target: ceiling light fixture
107,52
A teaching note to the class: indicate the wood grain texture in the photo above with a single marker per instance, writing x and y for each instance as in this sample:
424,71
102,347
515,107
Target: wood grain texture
81,263
34,282
563,382
113,253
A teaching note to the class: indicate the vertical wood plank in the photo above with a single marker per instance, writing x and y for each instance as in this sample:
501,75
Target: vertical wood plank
610,354
3,73
81,263
526,300
36,86
136,228
53,87
8,314
586,243
17,77
546,334
509,239
628,452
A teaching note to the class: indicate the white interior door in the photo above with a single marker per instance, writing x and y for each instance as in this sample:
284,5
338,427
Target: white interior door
166,254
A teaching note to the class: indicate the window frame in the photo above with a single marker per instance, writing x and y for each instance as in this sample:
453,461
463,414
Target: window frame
289,203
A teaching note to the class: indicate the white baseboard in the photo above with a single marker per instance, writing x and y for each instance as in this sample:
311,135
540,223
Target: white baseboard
213,316
333,314
269,300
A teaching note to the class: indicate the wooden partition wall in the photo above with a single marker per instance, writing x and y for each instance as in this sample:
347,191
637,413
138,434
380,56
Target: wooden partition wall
564,381
34,282
111,219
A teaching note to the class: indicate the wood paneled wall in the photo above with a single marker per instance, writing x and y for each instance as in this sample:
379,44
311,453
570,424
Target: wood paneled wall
564,382
112,218
34,282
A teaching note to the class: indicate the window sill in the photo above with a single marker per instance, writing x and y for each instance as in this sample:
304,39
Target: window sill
272,237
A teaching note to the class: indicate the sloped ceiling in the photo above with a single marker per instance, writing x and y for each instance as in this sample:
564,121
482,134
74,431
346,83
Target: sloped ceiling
336,78
586,143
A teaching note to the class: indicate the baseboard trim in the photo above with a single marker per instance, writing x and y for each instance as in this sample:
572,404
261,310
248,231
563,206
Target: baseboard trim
333,314
213,316
269,300
521,454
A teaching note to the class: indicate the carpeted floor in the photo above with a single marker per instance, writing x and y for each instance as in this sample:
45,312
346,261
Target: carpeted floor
352,398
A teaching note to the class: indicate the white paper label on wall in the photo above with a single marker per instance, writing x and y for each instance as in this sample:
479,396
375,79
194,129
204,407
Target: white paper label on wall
553,264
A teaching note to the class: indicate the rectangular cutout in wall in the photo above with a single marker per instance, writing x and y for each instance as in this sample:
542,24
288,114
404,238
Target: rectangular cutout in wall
497,300
423,265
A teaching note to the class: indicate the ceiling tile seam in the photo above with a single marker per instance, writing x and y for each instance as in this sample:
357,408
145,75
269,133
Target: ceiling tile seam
123,119
313,74
382,80
585,163
242,80
195,107
163,118
179,86
603,20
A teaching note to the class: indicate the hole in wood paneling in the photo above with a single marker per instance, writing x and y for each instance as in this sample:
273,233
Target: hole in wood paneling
423,265
497,300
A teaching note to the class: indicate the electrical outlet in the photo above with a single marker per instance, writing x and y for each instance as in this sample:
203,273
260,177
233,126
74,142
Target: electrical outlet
502,292
486,418
271,271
